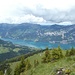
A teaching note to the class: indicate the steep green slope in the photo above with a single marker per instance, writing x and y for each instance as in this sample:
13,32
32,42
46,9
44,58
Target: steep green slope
67,63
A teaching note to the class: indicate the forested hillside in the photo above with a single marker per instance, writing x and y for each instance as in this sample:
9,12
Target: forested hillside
47,62
36,32
9,50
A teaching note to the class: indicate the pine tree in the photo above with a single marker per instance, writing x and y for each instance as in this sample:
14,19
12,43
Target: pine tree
20,67
47,53
22,64
9,71
47,56
17,70
36,63
67,53
57,53
28,65
72,51
60,52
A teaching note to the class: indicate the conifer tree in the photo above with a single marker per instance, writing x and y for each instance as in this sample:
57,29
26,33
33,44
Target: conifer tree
60,52
72,51
67,53
36,63
20,67
8,71
28,65
57,53
17,70
47,56
22,64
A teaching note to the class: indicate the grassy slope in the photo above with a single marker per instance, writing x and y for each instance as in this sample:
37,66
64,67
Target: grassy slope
47,68
3,50
7,52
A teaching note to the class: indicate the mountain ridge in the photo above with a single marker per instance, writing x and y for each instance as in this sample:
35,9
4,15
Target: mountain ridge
36,32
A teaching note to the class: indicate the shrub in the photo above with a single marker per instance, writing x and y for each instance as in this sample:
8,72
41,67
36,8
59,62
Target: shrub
67,71
36,63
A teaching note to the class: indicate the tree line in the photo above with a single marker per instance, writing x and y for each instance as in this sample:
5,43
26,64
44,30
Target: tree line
56,53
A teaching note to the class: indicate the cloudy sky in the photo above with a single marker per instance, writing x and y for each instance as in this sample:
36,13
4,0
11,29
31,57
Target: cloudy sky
37,11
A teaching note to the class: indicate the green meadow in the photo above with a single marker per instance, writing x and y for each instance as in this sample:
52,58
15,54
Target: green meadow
47,68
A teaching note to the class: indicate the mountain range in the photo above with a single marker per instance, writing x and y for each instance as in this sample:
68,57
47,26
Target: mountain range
36,32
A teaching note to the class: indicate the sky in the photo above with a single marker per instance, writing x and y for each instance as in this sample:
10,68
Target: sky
38,11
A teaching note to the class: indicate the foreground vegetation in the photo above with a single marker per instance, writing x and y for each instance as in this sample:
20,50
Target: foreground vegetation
47,62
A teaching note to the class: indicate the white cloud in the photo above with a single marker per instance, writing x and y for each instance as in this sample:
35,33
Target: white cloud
37,11
25,18
28,18
65,23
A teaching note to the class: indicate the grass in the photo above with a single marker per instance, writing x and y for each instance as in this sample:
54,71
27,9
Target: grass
13,65
16,49
3,50
47,68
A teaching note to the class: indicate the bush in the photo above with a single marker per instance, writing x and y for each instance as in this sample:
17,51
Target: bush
47,57
67,71
28,65
36,63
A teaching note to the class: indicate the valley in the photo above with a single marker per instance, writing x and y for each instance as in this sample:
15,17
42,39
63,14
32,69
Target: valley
39,33
37,44
31,49
9,50
37,37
